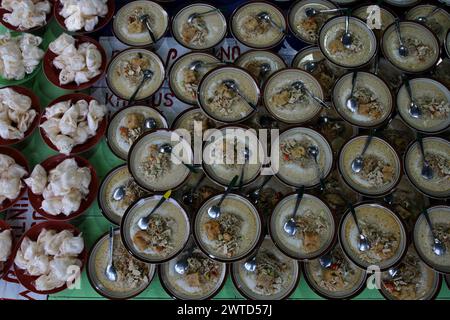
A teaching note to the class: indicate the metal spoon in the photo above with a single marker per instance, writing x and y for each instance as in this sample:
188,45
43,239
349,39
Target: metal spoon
145,20
414,108
119,193
167,148
424,19
198,64
402,49
148,74
246,158
347,38
363,243
265,68
144,221
352,103
149,124
255,194
427,171
312,65
300,86
264,16
313,151
358,162
326,261
214,211
438,247
231,84
110,271
311,12
201,14
250,265
188,198
290,227
182,265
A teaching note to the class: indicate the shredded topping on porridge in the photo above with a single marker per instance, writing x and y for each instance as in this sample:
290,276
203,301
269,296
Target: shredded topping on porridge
133,127
434,108
443,233
311,227
406,283
202,271
131,273
132,193
376,171
269,273
156,164
195,32
191,80
384,244
417,49
369,105
134,23
296,151
225,232
288,98
157,237
254,68
440,165
338,50
339,275
309,27
132,68
223,100
255,27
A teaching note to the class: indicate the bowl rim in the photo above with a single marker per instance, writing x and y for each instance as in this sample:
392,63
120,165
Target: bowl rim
447,43
102,292
302,51
88,144
402,69
9,262
162,260
52,73
50,225
35,105
36,200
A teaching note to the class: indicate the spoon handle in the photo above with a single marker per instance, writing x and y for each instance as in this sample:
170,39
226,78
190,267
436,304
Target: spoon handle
208,12
300,193
353,212
199,182
241,178
159,204
149,29
228,190
430,224
135,93
111,244
354,77
265,182
399,34
408,88
246,100
368,141
347,23
422,149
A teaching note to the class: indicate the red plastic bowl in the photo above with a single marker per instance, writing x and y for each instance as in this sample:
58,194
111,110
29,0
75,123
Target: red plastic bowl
8,263
52,73
28,281
51,163
102,22
16,29
91,142
22,161
34,105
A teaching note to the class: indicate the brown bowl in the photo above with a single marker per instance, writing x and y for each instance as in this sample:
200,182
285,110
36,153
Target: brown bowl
22,161
92,141
51,163
52,73
102,21
9,262
35,104
28,281
16,29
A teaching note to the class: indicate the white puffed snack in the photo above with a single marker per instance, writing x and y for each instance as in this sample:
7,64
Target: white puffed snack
79,65
81,14
37,180
26,14
5,245
10,178
69,125
19,55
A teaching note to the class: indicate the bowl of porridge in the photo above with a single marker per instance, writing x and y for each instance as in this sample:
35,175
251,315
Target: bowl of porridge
433,100
423,238
224,155
198,27
155,170
234,235
203,279
276,275
437,153
117,192
228,94
384,230
166,235
381,170
130,28
438,22
422,45
296,165
374,100
126,72
361,50
315,227
133,276
185,76
290,102
258,25
341,280
128,124
411,279
306,28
